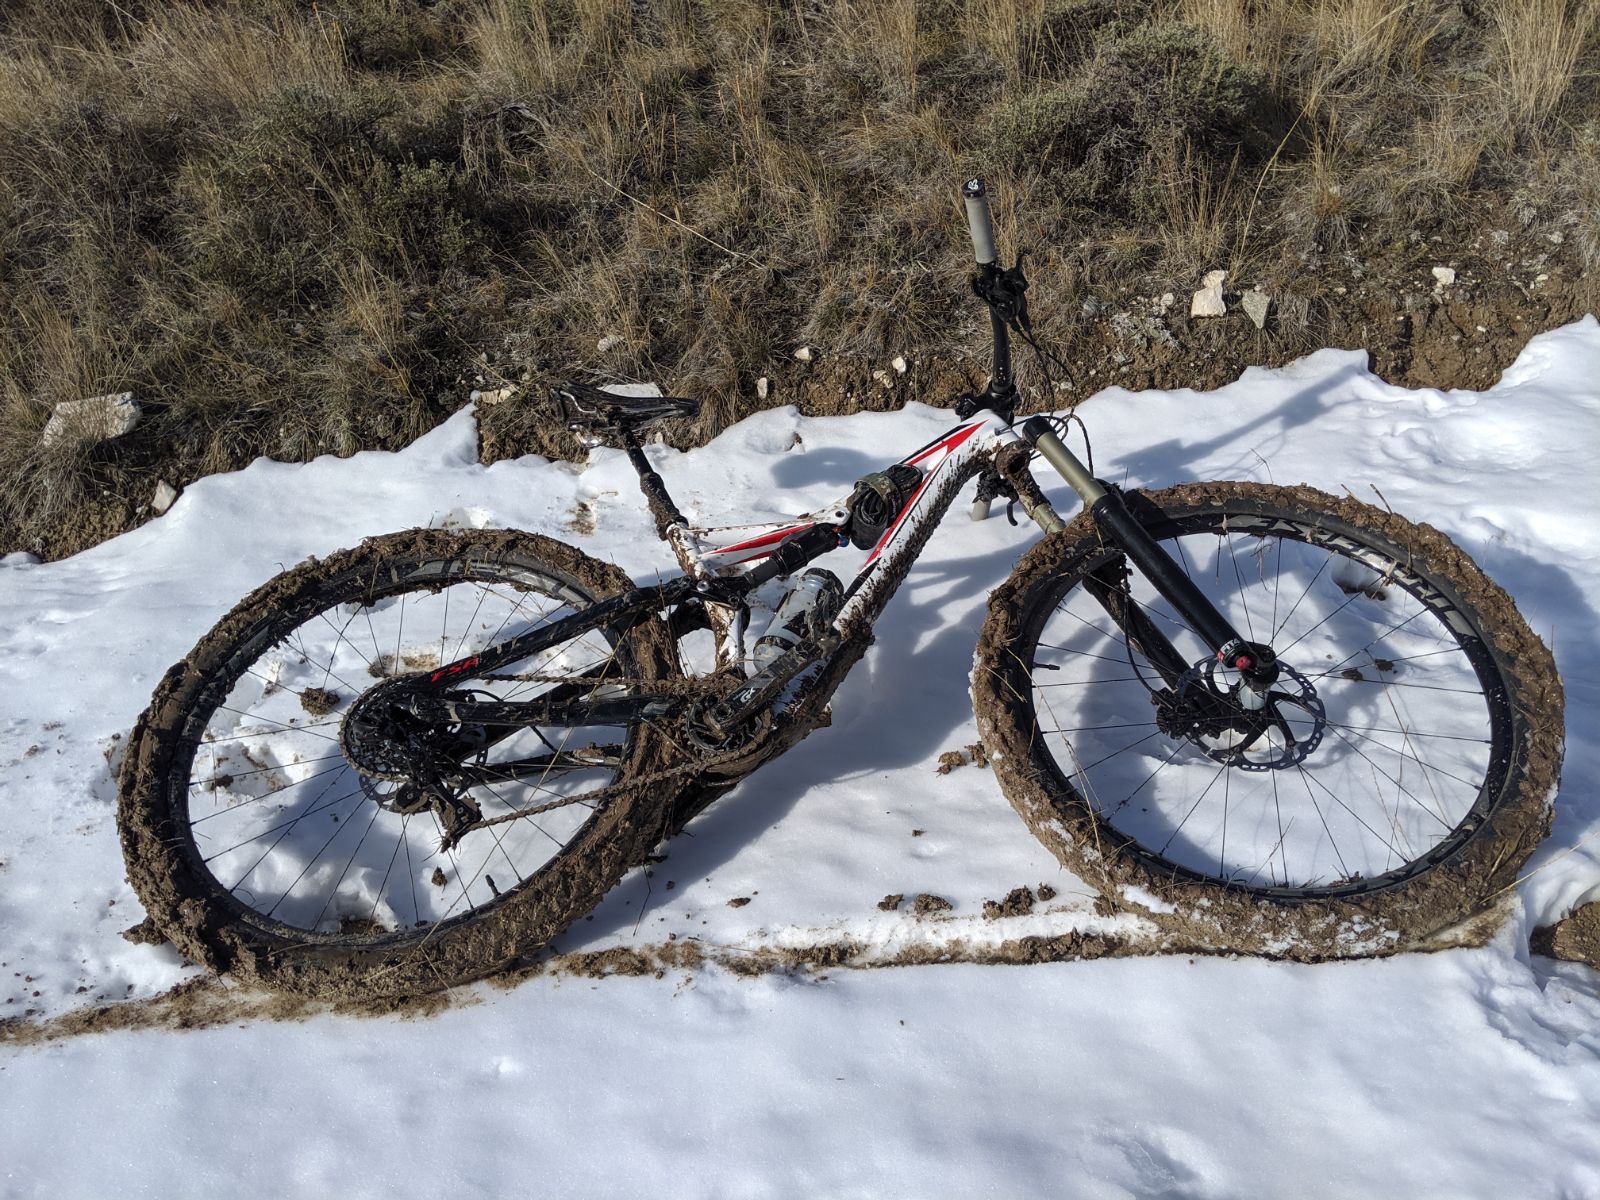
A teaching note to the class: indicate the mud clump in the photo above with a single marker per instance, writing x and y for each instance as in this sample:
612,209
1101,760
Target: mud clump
926,903
738,901
978,755
1018,903
144,933
319,702
891,902
1575,938
949,761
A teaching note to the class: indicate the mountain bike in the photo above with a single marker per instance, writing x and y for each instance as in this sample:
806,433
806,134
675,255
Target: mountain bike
1276,720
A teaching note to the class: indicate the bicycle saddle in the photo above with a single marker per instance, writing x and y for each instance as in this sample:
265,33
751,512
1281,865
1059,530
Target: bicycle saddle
587,409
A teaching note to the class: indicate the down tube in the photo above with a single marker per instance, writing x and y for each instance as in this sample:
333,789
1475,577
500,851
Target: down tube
872,590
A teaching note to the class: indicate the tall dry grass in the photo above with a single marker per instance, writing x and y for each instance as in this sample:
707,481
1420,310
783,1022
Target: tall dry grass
295,228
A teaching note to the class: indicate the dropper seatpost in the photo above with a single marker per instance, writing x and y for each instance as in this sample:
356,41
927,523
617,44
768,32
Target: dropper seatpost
981,225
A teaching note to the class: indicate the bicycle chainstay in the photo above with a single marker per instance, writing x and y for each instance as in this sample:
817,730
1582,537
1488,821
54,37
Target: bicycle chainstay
695,760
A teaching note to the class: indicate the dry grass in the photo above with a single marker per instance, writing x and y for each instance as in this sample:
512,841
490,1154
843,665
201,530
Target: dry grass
294,229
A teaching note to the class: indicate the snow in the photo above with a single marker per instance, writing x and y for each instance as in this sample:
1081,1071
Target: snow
1463,1073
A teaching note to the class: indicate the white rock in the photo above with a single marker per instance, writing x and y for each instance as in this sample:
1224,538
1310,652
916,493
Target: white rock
900,365
803,353
1207,301
97,419
884,378
763,386
1255,304
1444,277
610,342
1167,300
164,498
492,396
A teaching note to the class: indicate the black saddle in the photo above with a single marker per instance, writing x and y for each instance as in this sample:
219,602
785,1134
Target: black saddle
586,409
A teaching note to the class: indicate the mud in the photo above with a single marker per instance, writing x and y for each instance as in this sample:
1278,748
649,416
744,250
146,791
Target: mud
1575,938
1019,902
209,1002
1425,912
924,903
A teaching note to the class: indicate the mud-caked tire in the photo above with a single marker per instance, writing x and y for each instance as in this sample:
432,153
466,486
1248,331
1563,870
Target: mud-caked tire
227,925
1436,655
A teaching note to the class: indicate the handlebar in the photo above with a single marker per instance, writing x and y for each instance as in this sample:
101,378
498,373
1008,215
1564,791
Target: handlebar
979,221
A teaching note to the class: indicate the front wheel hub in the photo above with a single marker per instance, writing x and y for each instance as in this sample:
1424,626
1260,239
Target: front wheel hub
1240,719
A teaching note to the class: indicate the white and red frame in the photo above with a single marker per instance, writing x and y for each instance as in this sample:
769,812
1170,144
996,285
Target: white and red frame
946,462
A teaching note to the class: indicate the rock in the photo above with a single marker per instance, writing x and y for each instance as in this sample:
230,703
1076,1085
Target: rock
900,365
164,498
492,396
763,386
1207,302
610,342
1575,938
1444,277
803,353
1255,305
97,419
1168,299
884,378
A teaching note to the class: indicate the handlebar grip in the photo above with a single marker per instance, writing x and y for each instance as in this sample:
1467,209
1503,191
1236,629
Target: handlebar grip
979,221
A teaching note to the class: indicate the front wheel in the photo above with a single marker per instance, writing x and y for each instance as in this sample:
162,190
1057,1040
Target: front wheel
1400,774
279,823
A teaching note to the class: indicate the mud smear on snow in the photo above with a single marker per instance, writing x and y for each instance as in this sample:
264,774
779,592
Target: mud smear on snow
208,1002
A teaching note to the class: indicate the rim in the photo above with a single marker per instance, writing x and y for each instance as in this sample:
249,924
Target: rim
297,841
1410,749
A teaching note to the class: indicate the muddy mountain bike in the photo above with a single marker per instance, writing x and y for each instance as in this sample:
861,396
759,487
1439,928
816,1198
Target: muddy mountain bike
1278,721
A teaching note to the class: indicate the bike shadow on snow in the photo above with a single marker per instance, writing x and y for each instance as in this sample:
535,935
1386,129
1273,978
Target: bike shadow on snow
925,641
922,656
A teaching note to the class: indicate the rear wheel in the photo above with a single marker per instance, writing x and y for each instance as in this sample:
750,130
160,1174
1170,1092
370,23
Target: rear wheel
281,820
1392,783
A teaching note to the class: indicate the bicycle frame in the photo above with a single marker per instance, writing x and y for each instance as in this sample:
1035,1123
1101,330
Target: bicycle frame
721,577
947,463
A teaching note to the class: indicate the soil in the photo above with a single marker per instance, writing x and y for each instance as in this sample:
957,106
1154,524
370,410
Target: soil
1018,903
924,904
1387,305
208,1001
1575,938
1421,914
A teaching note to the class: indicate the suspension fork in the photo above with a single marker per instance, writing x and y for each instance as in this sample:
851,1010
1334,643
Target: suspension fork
1256,663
